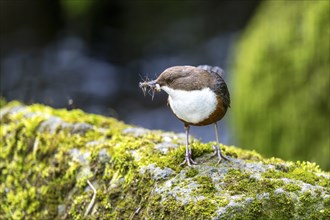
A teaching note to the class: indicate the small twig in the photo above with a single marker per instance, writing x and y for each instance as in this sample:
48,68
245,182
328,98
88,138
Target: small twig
35,146
135,213
146,78
90,205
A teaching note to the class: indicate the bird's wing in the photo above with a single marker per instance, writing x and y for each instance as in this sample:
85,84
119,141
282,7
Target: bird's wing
220,86
214,69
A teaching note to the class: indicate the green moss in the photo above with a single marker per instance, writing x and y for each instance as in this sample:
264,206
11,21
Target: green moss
44,169
206,186
283,206
309,206
327,202
176,156
255,210
303,171
191,172
279,207
202,209
42,159
290,187
237,182
172,209
56,175
221,200
242,154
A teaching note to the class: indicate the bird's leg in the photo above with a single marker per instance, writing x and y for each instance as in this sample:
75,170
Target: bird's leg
217,150
188,159
188,143
190,151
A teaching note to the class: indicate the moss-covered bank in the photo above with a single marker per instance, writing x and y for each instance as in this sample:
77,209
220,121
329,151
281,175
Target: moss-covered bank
47,157
281,78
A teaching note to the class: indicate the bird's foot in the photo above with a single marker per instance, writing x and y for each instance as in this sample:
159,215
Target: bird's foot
219,154
188,160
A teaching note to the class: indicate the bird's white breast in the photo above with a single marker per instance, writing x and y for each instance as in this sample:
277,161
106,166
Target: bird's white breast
191,106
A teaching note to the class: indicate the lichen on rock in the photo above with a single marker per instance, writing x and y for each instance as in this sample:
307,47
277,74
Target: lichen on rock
47,155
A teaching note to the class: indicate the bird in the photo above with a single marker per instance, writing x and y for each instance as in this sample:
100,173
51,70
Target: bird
197,96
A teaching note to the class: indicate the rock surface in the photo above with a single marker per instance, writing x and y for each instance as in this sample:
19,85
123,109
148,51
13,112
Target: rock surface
52,160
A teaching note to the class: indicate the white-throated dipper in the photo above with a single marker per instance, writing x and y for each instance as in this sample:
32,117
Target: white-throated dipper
198,96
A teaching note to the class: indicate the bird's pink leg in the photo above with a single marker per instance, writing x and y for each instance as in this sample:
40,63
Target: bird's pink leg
188,159
217,150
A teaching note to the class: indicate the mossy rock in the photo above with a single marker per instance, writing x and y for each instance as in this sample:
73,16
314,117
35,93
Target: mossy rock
280,101
48,156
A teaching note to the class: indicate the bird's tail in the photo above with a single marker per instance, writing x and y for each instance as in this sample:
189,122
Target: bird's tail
214,69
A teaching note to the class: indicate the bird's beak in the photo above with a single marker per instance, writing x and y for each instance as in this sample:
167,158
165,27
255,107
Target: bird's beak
155,85
152,84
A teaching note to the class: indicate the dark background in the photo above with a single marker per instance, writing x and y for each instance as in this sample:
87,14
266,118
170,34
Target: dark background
94,52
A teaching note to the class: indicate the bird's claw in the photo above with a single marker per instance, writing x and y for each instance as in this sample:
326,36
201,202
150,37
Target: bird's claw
219,154
189,161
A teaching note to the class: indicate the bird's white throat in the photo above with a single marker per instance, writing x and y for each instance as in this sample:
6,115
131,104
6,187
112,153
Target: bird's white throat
192,106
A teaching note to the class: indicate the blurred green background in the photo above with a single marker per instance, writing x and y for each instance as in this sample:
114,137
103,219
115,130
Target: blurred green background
281,82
